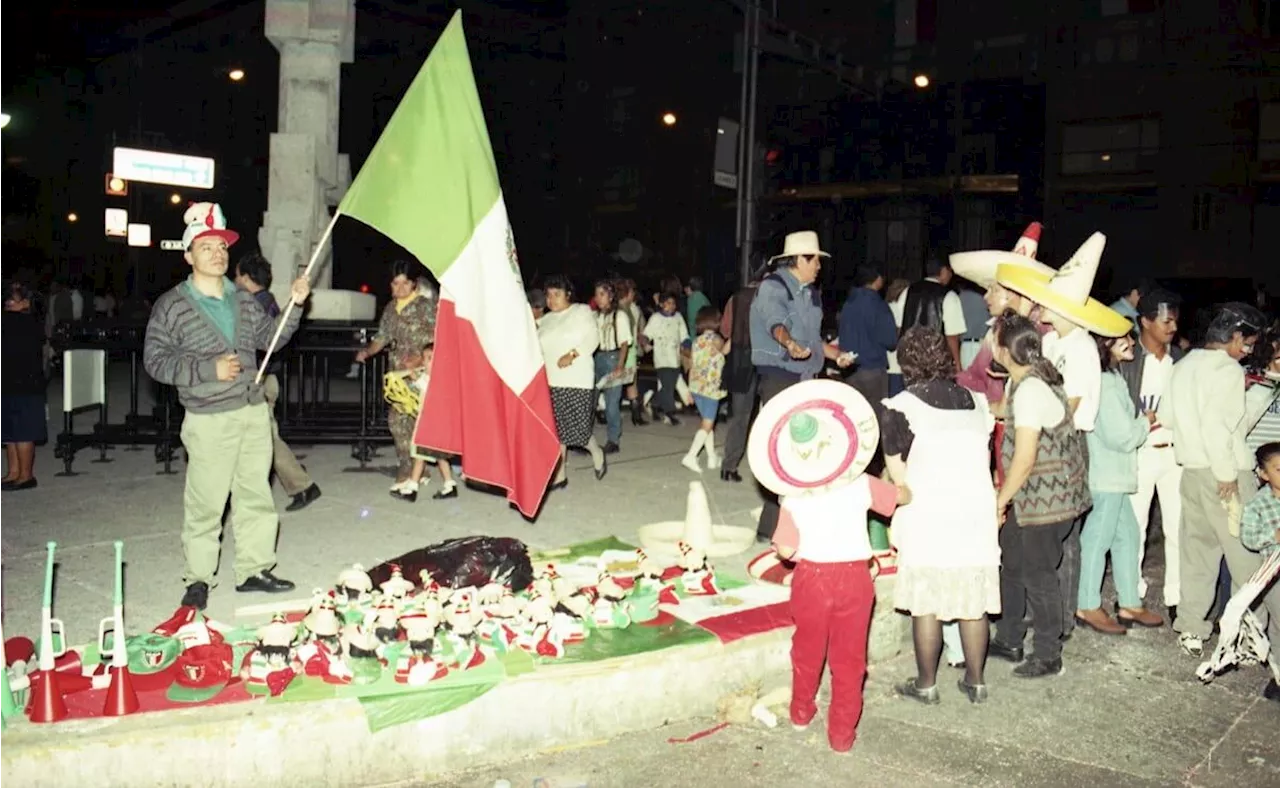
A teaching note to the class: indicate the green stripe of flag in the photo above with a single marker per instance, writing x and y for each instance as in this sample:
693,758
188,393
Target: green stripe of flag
431,176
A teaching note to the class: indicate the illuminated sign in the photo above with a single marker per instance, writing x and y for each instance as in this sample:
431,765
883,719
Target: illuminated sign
169,169
139,235
172,246
117,222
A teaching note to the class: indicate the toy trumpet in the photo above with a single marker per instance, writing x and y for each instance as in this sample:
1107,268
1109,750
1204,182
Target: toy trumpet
46,703
121,698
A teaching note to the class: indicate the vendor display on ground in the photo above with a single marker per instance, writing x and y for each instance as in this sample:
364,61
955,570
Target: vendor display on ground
408,647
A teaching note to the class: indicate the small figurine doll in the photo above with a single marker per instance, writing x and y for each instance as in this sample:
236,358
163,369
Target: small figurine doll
386,623
698,578
322,621
354,584
396,586
276,639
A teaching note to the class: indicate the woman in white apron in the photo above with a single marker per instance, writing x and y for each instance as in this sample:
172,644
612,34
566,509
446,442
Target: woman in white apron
936,442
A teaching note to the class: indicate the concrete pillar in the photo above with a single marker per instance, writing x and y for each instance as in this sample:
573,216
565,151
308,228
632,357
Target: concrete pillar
307,174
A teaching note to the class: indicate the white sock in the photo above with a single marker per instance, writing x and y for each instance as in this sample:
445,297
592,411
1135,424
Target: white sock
597,454
699,440
710,443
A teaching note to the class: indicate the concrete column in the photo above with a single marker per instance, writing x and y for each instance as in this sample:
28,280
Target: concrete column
307,174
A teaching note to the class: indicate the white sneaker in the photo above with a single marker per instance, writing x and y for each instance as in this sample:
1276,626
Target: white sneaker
713,461
1191,645
691,463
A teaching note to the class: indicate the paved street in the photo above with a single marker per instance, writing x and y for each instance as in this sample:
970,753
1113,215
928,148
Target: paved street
1128,712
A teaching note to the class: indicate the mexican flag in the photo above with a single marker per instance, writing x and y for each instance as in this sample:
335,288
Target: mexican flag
431,185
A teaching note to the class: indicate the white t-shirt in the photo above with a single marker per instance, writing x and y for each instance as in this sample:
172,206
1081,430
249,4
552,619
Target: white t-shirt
1076,357
667,333
1155,382
831,527
1035,406
615,329
953,322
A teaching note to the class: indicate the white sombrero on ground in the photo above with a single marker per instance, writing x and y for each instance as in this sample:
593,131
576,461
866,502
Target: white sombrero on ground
980,267
1066,291
812,437
697,529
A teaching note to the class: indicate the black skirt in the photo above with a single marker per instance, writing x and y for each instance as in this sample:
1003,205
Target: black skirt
575,414
23,418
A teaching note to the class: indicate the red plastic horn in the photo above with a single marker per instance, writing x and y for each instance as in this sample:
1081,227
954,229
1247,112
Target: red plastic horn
121,698
46,704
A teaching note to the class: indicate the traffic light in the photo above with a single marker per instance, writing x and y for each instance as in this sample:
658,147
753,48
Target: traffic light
116,187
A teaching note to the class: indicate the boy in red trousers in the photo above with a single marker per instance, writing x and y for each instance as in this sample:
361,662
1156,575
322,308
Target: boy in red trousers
832,595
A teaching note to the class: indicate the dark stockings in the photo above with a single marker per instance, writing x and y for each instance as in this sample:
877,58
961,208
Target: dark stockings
926,633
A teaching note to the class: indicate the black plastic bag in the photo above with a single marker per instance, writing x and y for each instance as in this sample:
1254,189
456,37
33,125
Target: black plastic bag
459,563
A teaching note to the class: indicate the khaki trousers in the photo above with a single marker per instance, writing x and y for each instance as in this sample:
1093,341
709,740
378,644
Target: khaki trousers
228,454
1204,542
293,477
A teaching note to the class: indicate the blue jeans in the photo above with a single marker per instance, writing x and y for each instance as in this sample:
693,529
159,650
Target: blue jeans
1110,527
606,362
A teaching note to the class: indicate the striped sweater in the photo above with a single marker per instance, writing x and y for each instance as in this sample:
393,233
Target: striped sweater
183,346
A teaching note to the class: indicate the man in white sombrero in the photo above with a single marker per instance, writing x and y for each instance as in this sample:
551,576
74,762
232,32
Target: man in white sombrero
786,331
980,268
1073,316
203,339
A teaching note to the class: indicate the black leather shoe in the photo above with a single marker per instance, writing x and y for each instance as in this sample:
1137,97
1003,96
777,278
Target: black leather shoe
303,499
197,595
611,448
560,485
1271,691
910,689
1011,653
730,476
604,468
29,484
1035,668
265,582
443,494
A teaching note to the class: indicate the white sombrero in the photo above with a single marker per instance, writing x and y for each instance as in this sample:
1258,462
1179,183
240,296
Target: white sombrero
1066,291
697,530
980,267
812,437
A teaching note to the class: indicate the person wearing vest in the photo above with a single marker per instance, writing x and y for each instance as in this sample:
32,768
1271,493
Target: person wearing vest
1147,380
1044,490
786,333
739,377
932,304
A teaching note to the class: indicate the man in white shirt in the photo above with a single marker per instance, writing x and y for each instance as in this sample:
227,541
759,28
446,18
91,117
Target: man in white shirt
1204,408
932,303
1147,377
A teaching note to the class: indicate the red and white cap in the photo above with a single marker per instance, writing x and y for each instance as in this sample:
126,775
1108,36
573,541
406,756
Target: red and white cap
206,218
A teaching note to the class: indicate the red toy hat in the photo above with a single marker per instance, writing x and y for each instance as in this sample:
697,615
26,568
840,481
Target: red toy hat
202,672
205,218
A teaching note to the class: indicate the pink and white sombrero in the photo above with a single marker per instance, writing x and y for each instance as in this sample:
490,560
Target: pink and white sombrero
815,436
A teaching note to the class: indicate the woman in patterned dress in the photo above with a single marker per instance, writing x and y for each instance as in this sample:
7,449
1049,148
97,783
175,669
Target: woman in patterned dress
407,328
568,335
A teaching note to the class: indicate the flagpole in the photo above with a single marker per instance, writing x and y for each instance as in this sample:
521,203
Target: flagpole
324,238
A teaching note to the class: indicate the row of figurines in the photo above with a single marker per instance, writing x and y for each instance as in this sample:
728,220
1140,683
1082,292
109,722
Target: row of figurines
356,622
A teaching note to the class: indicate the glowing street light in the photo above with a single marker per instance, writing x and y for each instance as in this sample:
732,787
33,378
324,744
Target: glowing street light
175,198
4,119
669,119
236,74
921,80
72,217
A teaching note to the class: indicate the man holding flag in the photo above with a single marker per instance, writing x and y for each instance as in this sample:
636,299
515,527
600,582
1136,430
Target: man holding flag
431,185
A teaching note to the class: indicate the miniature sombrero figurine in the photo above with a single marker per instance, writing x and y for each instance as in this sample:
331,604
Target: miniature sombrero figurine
715,541
813,437
1066,291
206,218
980,267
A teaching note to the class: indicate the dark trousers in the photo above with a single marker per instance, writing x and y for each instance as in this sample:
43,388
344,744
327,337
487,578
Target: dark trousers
743,411
770,386
873,385
665,398
1029,579
1069,576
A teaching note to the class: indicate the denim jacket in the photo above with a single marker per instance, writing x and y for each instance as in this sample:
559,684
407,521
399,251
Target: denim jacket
1115,439
782,300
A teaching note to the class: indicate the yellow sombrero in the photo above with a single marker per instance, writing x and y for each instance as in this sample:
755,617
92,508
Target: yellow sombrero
1066,291
980,267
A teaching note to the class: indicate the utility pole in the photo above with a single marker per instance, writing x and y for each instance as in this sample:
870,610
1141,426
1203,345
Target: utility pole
747,152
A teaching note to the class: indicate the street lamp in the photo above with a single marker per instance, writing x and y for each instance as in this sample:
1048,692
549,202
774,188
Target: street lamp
236,74
921,80
4,119
669,119
175,198
72,217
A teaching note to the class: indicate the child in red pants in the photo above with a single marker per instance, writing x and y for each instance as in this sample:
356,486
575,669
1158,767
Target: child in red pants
831,597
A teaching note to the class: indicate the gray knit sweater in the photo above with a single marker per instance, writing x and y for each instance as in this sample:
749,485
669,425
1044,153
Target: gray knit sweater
183,346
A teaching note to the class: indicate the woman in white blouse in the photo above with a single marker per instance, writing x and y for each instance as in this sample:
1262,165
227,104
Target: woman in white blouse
569,337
